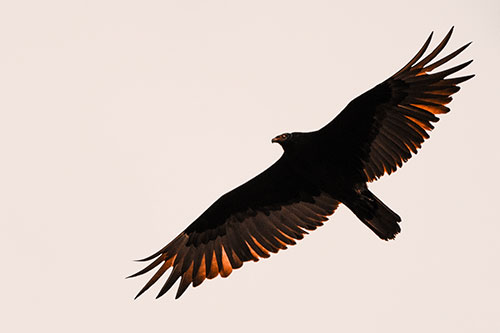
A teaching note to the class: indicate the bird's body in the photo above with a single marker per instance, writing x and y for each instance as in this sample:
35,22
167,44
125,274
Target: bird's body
375,134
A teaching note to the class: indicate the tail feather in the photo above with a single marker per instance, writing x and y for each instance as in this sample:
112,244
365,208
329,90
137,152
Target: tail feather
375,215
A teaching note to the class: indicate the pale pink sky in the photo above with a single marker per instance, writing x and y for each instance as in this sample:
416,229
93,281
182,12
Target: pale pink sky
122,121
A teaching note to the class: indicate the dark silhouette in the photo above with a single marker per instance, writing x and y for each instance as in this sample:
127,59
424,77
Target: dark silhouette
373,135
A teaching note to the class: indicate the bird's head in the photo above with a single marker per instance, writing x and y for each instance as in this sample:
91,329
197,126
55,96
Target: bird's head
282,139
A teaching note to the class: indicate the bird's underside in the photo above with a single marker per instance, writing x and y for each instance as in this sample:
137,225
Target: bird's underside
375,134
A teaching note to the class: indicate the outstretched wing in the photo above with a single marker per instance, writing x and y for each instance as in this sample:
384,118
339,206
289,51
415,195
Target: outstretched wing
383,127
262,216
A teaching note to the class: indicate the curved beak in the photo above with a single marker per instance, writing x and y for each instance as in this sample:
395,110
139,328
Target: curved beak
274,140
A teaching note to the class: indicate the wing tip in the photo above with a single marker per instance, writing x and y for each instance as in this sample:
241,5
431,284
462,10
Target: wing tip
467,63
138,294
161,293
143,290
151,257
142,271
179,294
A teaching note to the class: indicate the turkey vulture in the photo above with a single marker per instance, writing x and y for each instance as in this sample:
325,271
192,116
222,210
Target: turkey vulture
373,135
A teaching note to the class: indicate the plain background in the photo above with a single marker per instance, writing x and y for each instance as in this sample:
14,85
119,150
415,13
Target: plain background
122,121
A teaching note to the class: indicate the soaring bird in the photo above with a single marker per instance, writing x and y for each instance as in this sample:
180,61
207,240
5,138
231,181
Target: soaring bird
372,136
